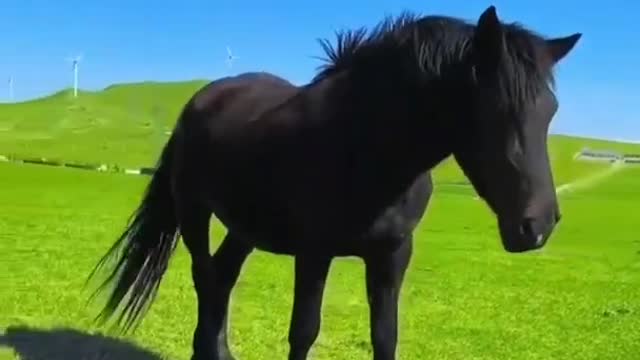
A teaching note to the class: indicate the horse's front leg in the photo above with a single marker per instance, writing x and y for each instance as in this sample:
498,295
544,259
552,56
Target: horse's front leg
385,273
310,278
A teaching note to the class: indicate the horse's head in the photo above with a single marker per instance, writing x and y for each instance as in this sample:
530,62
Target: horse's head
503,147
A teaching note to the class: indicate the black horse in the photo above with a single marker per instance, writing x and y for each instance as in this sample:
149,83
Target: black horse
340,167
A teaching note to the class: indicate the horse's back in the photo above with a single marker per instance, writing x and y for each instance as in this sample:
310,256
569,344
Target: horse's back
240,98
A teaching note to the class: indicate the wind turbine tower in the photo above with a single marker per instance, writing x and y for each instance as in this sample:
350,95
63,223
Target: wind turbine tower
10,88
74,64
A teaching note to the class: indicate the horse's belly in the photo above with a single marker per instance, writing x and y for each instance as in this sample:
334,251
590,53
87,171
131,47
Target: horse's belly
266,229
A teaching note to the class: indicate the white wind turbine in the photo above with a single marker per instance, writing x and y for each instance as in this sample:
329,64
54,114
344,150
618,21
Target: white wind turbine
230,57
74,64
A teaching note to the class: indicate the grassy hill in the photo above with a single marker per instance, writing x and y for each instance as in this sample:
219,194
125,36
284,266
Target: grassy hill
562,150
122,124
125,124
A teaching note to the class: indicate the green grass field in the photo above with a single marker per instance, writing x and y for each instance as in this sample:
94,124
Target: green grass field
464,297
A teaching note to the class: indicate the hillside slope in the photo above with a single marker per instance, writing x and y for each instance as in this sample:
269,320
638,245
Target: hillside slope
562,150
126,124
123,124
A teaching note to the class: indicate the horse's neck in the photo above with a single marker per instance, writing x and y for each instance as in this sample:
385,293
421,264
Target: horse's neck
415,148
378,149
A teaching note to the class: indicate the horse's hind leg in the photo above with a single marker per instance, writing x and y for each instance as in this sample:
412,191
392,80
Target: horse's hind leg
213,278
226,263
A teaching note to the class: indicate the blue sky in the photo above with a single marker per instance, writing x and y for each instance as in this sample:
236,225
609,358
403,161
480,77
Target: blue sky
123,41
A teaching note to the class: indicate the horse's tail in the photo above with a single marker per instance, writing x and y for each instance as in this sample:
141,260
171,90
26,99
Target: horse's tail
143,249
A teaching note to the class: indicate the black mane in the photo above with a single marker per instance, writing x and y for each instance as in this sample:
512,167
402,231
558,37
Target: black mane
350,44
434,42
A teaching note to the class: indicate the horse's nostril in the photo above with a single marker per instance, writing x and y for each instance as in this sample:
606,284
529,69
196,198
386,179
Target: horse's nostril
526,228
558,217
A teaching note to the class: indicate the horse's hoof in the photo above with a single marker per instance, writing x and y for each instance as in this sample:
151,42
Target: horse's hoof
223,356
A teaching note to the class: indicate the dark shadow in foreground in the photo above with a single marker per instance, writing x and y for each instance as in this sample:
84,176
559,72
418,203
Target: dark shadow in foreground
69,344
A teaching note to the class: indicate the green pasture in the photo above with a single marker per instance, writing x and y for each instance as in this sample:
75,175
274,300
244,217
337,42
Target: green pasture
464,297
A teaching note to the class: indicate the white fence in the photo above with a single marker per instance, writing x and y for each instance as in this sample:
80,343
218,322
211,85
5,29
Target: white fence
607,156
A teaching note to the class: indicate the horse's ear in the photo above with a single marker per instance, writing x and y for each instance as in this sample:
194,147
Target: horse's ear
488,39
560,47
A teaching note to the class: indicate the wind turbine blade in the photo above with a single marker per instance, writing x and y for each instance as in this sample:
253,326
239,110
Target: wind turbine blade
229,51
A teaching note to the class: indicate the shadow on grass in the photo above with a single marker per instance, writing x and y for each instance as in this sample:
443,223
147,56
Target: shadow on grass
69,344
